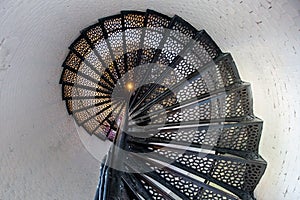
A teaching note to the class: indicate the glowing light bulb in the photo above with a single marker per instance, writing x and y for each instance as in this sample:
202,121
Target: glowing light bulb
129,86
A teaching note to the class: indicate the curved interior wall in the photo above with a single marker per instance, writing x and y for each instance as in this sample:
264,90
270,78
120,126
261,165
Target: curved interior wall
41,154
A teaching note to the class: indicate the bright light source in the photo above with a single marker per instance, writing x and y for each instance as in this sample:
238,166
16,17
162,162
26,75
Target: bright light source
129,86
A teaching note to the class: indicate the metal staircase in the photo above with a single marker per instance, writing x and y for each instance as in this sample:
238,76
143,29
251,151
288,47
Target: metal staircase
179,117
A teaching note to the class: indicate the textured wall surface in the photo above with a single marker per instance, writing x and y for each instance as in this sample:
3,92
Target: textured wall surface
41,154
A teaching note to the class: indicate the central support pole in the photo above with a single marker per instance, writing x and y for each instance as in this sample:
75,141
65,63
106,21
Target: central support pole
116,159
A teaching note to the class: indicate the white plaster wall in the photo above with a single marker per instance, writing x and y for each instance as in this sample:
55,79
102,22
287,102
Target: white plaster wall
41,155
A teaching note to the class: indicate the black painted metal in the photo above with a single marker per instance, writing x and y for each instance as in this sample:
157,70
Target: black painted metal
189,123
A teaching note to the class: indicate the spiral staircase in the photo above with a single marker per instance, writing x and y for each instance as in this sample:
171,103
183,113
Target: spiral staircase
179,117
